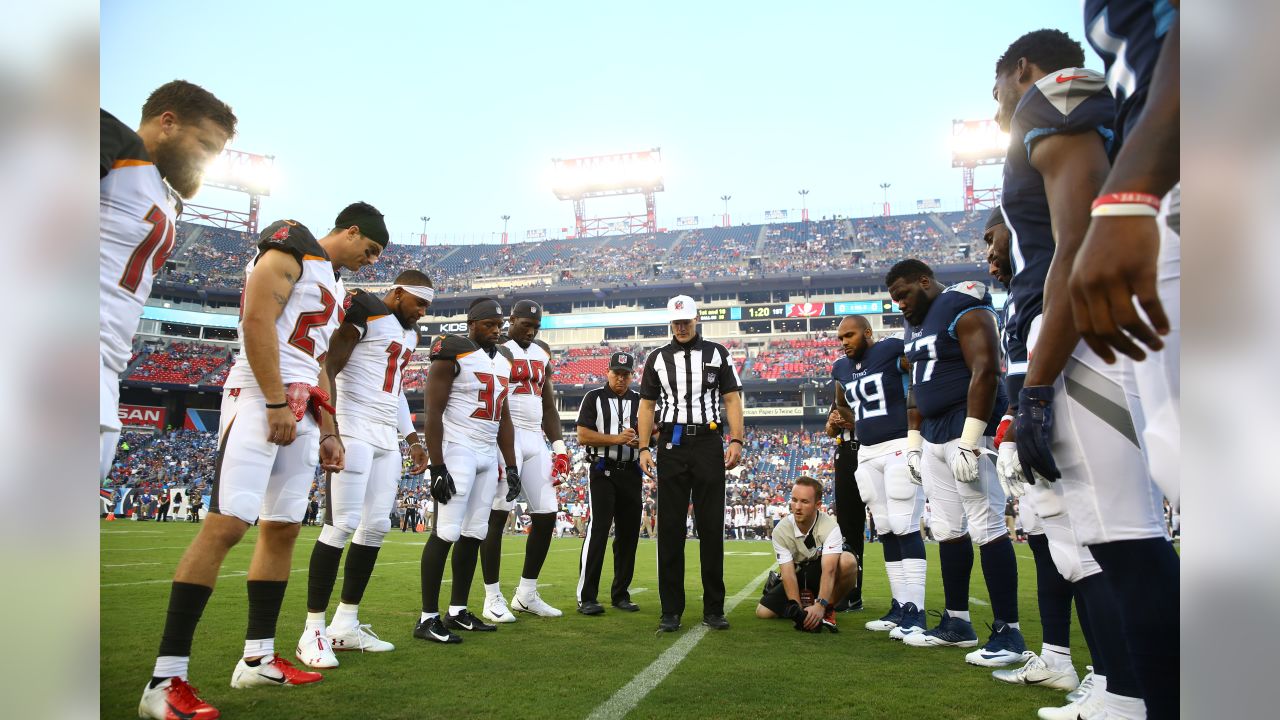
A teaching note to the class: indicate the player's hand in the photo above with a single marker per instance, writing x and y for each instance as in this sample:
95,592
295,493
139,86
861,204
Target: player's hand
1034,427
333,456
732,456
626,437
964,462
442,487
835,418
1117,263
513,482
420,460
1009,470
813,617
282,426
915,459
647,465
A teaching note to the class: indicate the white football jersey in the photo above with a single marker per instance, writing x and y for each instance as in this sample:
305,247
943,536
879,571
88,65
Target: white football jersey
369,384
474,408
310,316
529,369
137,217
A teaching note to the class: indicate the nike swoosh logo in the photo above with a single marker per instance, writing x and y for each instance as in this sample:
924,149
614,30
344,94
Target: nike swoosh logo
438,636
282,679
991,656
1067,78
178,713
1034,682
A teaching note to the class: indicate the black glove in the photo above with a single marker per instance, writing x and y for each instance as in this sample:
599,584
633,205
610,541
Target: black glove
442,487
793,612
513,482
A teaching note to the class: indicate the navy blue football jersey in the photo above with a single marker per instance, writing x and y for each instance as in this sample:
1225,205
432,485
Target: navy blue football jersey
938,371
876,388
1015,359
1069,101
1128,35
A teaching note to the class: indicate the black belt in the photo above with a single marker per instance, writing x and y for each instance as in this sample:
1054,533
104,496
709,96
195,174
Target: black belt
607,464
691,429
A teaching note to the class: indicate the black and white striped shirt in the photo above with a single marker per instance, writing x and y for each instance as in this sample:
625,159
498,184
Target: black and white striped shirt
689,381
605,412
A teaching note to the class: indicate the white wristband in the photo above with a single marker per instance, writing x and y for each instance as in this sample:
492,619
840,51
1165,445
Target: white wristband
1124,210
558,447
915,440
973,431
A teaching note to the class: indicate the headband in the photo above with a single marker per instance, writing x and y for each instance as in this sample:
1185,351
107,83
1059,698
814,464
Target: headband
484,310
421,291
995,218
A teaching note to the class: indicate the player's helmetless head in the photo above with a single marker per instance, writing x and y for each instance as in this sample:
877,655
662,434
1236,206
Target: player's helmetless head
484,322
912,286
684,330
409,308
855,335
1028,59
184,127
526,321
805,496
619,381
359,236
997,239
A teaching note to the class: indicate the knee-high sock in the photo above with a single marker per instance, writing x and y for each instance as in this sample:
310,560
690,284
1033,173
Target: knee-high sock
893,566
542,525
491,548
465,552
1053,594
322,575
434,553
1000,569
186,604
265,599
956,559
1086,629
1098,596
356,573
914,568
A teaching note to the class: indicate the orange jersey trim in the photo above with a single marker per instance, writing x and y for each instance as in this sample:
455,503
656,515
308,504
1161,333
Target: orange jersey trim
130,163
315,257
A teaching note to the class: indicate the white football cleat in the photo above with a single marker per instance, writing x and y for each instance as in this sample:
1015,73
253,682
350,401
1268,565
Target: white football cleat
1092,704
357,637
496,610
273,673
1036,672
1085,687
533,603
316,650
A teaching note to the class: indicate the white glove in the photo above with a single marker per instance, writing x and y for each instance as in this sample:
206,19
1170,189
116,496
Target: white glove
964,458
915,456
1009,470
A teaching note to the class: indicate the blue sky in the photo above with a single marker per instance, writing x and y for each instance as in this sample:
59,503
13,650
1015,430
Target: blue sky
454,110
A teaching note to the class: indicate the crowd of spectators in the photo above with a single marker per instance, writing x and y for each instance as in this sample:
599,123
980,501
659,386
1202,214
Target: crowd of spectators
180,362
796,358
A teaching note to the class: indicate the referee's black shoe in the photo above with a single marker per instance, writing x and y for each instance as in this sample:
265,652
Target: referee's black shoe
627,605
669,623
590,608
715,622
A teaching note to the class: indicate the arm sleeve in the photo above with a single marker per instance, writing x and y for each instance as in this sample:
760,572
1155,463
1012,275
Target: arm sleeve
729,380
649,387
587,411
405,417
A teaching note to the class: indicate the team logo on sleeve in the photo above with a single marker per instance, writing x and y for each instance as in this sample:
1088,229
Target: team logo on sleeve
282,234
437,346
346,302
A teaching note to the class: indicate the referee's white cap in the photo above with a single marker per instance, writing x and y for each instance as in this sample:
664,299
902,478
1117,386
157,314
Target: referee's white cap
682,307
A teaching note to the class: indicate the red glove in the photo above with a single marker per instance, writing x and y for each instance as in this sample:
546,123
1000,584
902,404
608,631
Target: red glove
303,397
1005,422
319,401
559,466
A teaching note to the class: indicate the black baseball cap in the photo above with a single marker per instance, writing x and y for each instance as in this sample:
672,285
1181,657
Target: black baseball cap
622,362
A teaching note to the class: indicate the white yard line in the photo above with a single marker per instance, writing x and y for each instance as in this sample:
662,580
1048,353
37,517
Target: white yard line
976,601
630,695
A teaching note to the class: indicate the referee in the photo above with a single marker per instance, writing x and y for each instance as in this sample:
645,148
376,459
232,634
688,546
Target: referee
690,378
607,429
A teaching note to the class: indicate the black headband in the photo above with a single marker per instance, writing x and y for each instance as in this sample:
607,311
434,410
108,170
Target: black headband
371,226
484,310
996,218
526,309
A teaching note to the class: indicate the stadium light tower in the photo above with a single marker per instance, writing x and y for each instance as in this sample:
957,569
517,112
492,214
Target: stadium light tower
505,218
240,172
885,187
633,173
422,239
804,207
724,219
974,143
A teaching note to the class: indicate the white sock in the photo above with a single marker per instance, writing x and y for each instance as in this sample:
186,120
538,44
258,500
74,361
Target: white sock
455,609
315,621
897,580
959,614
1123,707
493,590
1015,626
346,616
171,666
913,572
527,586
259,648
1056,657
427,616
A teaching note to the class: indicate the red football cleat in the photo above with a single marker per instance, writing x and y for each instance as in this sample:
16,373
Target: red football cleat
175,699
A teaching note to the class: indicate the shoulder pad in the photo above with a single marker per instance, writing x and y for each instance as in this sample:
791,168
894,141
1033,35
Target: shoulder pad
973,288
506,352
1079,102
359,305
839,368
292,237
118,142
450,347
545,347
1067,89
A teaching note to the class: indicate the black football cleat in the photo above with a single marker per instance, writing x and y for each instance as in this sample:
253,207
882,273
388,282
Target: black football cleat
590,608
466,621
435,631
715,621
669,623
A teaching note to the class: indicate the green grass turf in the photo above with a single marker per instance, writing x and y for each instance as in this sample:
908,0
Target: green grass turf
555,668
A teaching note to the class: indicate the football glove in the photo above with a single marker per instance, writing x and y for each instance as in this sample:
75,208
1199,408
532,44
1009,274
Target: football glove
513,482
1034,429
1009,470
915,458
442,487
964,462
1002,428
559,462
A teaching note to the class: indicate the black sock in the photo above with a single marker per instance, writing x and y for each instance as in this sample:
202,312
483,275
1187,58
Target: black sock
355,575
542,526
1000,569
1053,594
434,553
911,546
1086,629
491,548
1145,575
265,599
956,559
465,552
322,575
186,605
1108,635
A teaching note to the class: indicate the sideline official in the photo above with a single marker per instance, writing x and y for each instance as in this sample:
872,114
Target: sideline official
607,429
687,380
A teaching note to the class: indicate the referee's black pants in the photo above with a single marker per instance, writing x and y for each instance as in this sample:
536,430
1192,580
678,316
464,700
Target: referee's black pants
614,498
851,512
692,470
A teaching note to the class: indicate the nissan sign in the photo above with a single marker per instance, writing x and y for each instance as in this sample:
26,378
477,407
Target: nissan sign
142,415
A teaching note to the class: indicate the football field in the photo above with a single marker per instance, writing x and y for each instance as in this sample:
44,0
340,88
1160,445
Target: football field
613,665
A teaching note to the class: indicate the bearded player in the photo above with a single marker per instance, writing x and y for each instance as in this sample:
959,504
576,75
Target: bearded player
871,392
532,402
142,177
276,422
367,357
468,424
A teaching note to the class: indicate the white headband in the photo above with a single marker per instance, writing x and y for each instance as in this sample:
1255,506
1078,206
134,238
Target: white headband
421,291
